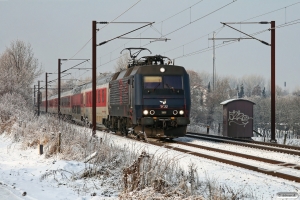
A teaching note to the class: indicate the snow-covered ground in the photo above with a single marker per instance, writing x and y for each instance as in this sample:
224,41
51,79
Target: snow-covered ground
22,170
26,171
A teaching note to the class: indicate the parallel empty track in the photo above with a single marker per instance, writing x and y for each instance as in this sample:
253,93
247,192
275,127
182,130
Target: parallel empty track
248,143
234,163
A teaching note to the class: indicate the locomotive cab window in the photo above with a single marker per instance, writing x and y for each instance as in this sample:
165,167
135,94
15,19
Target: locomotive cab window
172,82
152,82
163,82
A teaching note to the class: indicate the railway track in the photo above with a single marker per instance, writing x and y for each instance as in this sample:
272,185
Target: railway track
275,163
170,145
248,143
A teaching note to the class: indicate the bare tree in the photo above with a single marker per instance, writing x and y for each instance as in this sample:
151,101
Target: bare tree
122,62
296,91
19,68
205,77
257,91
198,98
250,82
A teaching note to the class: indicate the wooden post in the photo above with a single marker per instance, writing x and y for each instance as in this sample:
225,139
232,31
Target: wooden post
41,149
284,141
59,141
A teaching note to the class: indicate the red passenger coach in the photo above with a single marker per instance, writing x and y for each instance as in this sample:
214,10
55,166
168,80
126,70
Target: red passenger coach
101,97
76,104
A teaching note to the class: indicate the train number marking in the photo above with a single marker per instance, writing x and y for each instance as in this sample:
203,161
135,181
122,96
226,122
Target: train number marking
163,106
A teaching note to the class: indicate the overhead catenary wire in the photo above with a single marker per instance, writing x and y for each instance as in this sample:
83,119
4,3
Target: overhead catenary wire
219,29
107,25
154,27
103,28
203,36
231,42
270,12
57,78
209,32
182,11
180,27
195,21
199,19
75,65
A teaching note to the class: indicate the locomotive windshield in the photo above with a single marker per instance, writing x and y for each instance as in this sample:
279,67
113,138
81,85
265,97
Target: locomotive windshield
162,82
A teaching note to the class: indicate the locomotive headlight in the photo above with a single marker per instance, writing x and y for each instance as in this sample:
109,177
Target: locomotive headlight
162,70
181,112
175,112
152,112
145,112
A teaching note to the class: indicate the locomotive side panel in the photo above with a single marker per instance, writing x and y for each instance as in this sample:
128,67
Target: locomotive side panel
119,97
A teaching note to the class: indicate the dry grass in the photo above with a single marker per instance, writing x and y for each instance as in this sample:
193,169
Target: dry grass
140,175
6,123
132,171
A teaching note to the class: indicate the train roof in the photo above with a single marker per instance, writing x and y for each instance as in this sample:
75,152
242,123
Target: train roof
105,78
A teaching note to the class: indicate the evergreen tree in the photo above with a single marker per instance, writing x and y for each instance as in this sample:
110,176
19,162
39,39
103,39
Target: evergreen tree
264,93
208,87
241,93
237,91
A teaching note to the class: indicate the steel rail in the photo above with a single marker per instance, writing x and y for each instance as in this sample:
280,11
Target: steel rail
230,162
257,145
266,160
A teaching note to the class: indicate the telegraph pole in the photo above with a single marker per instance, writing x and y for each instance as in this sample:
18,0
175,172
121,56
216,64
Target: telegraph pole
273,88
58,97
46,92
94,74
214,60
38,96
34,98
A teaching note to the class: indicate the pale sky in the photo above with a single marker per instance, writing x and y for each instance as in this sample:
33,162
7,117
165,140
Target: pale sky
61,28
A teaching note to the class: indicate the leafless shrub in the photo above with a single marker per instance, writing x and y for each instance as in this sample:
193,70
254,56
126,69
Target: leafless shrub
165,178
168,181
142,176
55,173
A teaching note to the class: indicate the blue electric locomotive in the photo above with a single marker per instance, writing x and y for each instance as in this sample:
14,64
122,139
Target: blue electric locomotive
151,96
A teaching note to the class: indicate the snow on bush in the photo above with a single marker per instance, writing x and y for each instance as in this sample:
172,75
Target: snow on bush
12,107
130,172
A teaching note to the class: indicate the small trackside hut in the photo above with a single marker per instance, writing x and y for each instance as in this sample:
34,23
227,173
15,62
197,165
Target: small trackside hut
238,118
150,96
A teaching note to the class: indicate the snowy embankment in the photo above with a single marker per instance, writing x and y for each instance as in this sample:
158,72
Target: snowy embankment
238,179
24,170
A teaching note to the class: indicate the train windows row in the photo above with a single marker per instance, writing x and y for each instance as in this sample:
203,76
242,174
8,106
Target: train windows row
100,98
77,99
